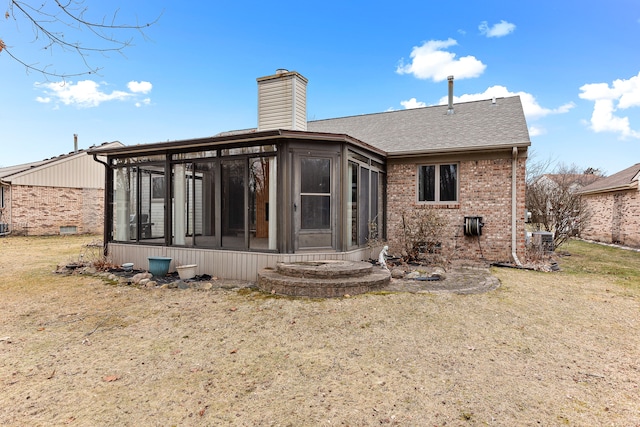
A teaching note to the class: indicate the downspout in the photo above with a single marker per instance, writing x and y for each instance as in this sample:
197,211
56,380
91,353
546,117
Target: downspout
514,207
107,213
8,186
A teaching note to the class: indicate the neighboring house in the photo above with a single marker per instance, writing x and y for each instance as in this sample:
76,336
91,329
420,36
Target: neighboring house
614,205
294,190
61,195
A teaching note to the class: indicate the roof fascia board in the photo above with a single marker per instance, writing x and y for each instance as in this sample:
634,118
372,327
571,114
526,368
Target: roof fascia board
164,147
623,187
456,150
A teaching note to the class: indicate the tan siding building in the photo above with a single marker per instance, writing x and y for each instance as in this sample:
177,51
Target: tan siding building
61,195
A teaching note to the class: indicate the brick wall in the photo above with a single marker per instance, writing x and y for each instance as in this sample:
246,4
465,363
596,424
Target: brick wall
43,210
614,218
484,190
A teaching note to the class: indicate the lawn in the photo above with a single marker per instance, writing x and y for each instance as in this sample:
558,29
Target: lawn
559,348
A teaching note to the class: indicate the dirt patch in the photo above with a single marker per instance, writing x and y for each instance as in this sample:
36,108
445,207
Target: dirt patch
540,349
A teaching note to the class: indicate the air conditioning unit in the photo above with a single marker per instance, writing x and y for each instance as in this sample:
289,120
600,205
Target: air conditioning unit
543,241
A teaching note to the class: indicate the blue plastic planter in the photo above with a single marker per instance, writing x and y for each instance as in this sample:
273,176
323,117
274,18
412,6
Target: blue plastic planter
159,266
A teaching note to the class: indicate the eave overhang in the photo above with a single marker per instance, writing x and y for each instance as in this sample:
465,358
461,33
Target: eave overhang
456,150
624,187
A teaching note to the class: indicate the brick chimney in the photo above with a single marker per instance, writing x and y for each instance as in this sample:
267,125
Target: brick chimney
282,101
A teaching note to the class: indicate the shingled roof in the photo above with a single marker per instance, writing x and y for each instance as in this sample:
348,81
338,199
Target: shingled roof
473,126
624,180
477,125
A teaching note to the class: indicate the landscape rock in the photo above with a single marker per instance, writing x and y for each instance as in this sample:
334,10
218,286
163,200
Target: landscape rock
439,273
413,275
204,286
139,276
397,273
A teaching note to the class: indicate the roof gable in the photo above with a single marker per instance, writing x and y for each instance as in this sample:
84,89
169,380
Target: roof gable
12,173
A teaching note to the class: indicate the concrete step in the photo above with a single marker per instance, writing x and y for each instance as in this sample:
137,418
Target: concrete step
323,279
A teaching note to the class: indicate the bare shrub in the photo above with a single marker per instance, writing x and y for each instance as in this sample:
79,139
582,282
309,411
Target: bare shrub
422,236
554,203
92,255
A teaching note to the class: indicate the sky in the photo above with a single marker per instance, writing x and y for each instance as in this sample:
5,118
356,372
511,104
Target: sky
192,73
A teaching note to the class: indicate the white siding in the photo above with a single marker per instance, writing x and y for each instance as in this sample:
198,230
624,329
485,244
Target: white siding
218,263
282,102
75,170
301,107
79,171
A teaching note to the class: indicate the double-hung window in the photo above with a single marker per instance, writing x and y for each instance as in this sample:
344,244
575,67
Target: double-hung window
438,183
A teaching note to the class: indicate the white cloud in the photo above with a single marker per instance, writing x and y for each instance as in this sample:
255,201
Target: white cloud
621,95
139,87
432,61
146,101
412,103
536,130
87,93
532,110
500,29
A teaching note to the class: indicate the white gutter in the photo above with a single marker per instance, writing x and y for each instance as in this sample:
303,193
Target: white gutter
452,150
514,207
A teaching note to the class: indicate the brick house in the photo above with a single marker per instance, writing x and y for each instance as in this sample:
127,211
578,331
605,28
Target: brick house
614,206
293,189
61,195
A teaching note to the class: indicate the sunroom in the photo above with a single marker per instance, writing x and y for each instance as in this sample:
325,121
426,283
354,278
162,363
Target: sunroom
236,203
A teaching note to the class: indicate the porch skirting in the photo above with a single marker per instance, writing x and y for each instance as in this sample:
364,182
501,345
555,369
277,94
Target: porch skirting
225,264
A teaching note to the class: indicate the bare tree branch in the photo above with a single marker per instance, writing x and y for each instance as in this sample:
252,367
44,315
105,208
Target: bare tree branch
52,22
554,204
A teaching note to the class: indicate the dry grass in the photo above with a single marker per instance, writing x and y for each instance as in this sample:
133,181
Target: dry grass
543,349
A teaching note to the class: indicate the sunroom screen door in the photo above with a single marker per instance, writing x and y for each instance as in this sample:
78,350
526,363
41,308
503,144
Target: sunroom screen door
313,203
